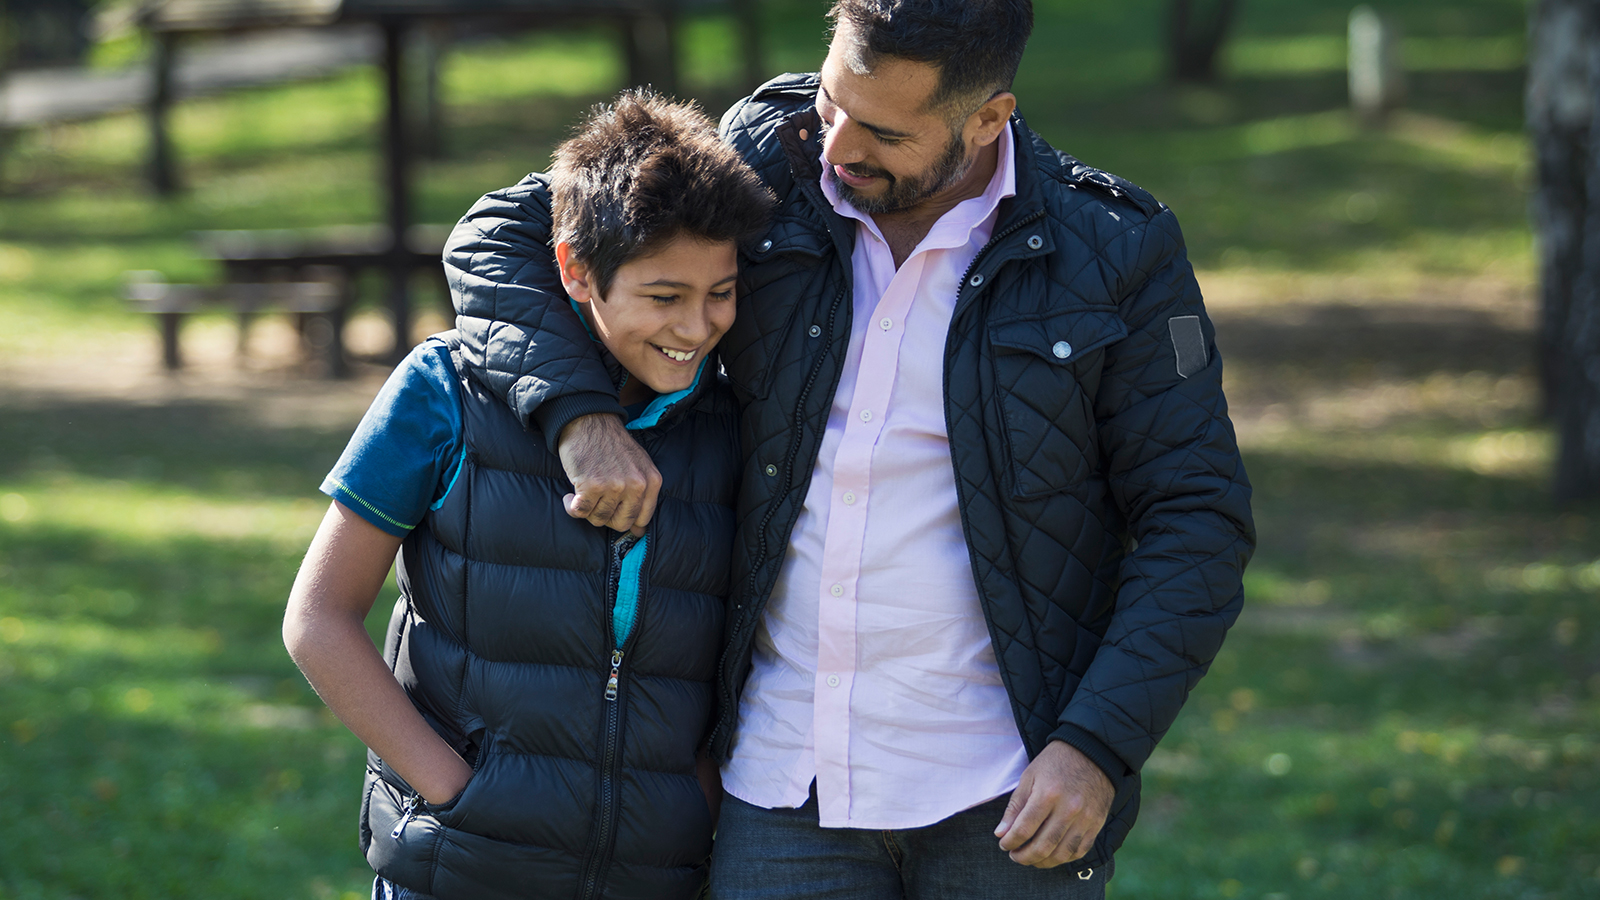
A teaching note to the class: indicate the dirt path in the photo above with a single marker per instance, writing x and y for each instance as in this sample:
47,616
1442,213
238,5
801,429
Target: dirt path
1322,351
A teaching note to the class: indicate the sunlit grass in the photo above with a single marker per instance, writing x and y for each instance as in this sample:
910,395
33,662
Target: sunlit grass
1256,56
571,65
134,514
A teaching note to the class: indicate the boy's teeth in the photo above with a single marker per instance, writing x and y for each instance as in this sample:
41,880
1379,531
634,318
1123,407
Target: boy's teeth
679,355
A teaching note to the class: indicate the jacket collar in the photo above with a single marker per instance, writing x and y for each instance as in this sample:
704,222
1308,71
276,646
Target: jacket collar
1028,202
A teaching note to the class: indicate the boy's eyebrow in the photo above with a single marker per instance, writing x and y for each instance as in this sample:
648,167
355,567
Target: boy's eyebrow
663,282
877,130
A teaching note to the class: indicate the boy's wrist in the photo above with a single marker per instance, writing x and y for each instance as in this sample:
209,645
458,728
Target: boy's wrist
445,782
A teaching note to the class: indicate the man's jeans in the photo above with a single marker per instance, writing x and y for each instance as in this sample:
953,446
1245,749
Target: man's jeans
775,854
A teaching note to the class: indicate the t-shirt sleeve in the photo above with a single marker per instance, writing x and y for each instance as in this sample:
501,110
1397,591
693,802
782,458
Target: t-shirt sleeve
405,454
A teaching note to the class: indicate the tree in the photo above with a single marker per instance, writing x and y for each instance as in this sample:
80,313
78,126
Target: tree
1195,38
1563,76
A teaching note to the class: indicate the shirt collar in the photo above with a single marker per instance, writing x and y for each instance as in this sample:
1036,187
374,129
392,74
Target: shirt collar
954,226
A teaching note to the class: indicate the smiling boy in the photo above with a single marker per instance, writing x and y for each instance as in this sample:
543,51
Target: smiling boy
536,721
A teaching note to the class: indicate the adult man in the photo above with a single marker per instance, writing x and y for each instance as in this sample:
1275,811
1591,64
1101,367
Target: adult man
992,515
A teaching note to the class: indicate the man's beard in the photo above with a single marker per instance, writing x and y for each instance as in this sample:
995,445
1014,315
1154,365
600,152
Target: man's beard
906,191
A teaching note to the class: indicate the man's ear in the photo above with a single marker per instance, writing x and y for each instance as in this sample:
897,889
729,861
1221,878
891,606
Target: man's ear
575,276
983,127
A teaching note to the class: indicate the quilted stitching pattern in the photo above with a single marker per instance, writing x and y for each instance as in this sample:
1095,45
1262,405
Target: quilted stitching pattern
518,335
1062,465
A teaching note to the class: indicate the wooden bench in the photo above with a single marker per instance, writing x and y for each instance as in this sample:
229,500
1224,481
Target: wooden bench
308,272
318,306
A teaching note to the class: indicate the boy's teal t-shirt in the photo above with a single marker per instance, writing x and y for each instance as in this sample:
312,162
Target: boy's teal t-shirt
407,451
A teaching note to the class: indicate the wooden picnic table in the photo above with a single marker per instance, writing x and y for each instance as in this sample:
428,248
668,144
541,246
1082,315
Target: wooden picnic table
259,255
648,29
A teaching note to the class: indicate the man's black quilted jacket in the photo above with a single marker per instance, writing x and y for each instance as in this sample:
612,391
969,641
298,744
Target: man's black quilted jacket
1105,506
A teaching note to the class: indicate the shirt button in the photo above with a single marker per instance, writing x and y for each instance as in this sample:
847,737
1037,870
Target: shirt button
765,246
816,330
1035,242
1062,349
886,324
772,470
833,681
837,590
849,498
866,415
975,280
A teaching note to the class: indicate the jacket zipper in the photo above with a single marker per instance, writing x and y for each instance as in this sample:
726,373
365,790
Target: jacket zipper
730,695
407,813
611,745
962,500
414,803
993,241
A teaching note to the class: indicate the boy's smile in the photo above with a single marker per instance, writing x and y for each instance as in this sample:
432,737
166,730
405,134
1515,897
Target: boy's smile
663,313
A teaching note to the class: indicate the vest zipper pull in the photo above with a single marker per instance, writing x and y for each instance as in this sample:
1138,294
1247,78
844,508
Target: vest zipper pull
611,683
408,812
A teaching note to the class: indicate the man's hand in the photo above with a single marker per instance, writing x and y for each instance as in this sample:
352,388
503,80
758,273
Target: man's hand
1057,810
614,479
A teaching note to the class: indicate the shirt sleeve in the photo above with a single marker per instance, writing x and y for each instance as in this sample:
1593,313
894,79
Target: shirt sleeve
405,454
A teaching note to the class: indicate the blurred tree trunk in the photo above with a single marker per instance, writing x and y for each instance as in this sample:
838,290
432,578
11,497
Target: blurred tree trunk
1563,72
1195,37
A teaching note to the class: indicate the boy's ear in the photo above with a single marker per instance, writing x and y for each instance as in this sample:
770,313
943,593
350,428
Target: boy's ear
575,276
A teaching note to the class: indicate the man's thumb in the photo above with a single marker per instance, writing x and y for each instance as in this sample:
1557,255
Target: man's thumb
1019,799
578,506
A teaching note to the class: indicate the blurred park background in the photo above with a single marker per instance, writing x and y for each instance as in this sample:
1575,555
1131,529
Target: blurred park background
1409,707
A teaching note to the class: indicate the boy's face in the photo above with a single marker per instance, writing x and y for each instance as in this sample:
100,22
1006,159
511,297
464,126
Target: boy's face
663,313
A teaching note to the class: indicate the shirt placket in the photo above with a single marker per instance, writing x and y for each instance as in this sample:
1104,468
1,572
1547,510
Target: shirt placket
838,601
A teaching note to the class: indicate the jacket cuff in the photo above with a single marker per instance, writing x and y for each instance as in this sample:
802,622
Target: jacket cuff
1116,771
555,414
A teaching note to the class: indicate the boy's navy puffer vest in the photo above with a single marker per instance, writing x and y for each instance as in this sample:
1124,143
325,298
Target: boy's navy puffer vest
584,756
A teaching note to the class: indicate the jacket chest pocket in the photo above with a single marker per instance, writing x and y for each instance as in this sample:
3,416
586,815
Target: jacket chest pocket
1046,371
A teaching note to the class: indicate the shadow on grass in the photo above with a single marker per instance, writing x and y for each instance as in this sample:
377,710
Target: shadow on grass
109,800
1356,752
233,590
1334,341
1309,487
222,447
156,740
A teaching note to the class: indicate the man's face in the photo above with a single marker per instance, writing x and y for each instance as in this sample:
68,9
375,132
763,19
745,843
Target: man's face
886,150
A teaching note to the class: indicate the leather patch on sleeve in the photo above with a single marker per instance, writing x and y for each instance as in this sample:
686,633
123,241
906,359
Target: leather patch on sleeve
1189,343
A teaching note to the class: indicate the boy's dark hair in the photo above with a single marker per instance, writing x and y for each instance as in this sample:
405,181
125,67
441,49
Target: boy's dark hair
975,44
642,171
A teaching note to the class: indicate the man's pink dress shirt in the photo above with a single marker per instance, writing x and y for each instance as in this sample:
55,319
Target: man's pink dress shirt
873,672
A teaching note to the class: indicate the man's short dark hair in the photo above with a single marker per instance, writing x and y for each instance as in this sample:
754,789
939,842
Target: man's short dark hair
642,171
975,44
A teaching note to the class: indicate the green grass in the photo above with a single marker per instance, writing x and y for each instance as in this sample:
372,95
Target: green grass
1409,707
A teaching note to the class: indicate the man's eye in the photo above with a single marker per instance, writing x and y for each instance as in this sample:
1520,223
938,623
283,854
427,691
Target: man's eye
664,298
